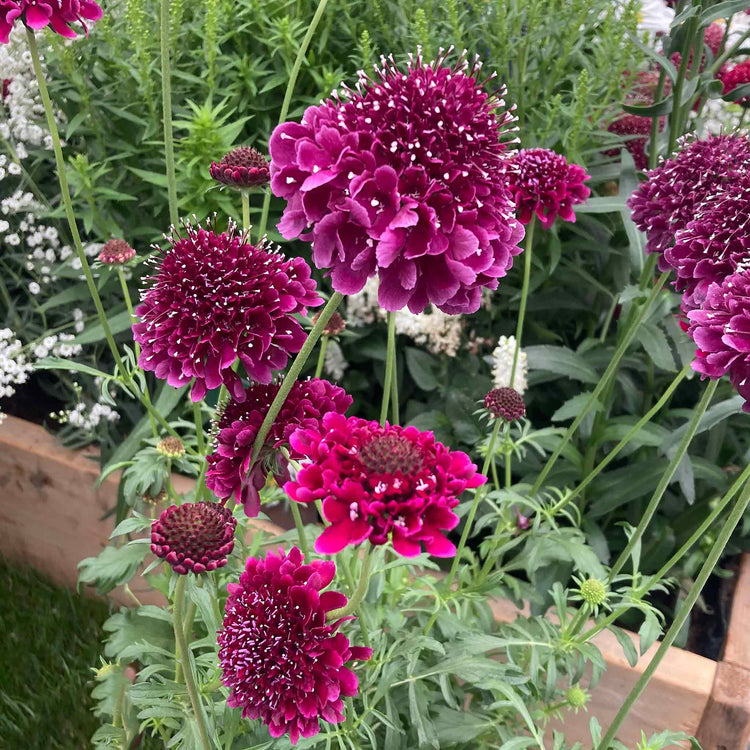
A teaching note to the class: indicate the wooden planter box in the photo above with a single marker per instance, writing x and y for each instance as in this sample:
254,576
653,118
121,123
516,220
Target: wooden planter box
52,516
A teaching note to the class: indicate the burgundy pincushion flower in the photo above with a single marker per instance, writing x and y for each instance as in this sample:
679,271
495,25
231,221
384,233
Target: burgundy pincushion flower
243,167
215,298
282,661
635,131
116,252
194,537
721,330
737,76
667,200
505,403
229,471
5,88
714,244
379,482
544,183
403,178
37,14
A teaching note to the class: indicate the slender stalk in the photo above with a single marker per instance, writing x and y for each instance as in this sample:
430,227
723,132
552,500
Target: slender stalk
359,592
166,98
653,150
245,195
288,95
184,659
300,530
294,371
390,365
675,119
524,296
198,418
321,355
395,417
666,478
508,453
682,614
68,205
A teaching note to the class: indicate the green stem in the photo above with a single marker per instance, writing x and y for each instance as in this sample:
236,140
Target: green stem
166,98
245,195
184,659
524,296
301,52
675,119
653,503
390,365
395,417
294,371
682,614
653,150
198,418
68,205
321,355
632,328
359,592
300,530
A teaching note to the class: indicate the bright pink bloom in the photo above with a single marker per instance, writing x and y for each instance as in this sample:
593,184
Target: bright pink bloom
544,183
737,76
379,482
229,471
216,297
282,661
403,178
721,330
37,14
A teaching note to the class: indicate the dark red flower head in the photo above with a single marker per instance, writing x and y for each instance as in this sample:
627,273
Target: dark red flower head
334,326
737,76
229,471
403,178
668,199
243,167
505,403
282,661
37,14
116,252
635,131
379,482
721,330
5,88
544,183
215,298
194,537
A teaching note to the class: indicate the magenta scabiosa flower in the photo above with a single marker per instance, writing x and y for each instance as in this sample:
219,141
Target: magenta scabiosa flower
229,471
667,200
282,661
194,537
403,178
381,483
721,330
216,297
243,167
739,75
115,252
59,15
505,403
545,184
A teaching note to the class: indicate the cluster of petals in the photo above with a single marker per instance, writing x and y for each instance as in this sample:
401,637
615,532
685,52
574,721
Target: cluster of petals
241,168
283,663
737,76
116,252
545,184
667,201
59,15
403,178
721,330
214,298
229,471
379,482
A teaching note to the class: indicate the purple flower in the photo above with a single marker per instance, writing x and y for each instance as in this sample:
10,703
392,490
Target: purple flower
116,252
241,168
215,298
720,328
505,403
403,178
38,14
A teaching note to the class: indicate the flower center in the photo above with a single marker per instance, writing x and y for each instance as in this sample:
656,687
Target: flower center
388,454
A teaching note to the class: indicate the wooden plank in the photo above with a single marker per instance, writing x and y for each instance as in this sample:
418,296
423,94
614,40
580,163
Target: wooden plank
726,721
737,646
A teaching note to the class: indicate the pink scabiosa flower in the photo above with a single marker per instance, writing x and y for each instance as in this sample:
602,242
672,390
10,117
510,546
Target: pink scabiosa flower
37,14
714,244
379,482
668,199
544,183
721,330
116,252
229,471
243,168
737,76
282,661
194,537
214,298
403,178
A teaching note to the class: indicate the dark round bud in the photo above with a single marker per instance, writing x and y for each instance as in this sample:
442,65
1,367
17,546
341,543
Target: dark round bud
505,403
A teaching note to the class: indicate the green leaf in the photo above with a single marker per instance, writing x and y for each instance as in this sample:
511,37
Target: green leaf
722,10
573,407
458,726
129,525
71,294
155,178
117,323
422,367
112,567
59,363
603,205
561,361
649,631
663,107
661,60
740,92
627,645
418,702
655,342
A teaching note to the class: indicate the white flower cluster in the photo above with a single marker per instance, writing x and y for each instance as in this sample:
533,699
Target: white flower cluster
89,418
720,117
334,363
655,16
57,346
14,368
502,365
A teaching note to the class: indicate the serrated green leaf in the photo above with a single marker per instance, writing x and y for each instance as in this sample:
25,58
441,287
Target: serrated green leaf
649,631
627,645
112,567
561,361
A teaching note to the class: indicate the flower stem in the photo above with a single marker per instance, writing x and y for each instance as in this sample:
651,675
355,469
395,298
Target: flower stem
524,296
653,503
166,98
245,196
184,659
301,52
653,148
682,614
68,205
294,371
300,530
321,355
359,593
675,117
390,366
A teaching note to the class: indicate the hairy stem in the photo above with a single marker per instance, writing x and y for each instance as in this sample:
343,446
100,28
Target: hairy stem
359,593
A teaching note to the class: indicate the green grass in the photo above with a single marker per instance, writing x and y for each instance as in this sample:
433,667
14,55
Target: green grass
49,640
